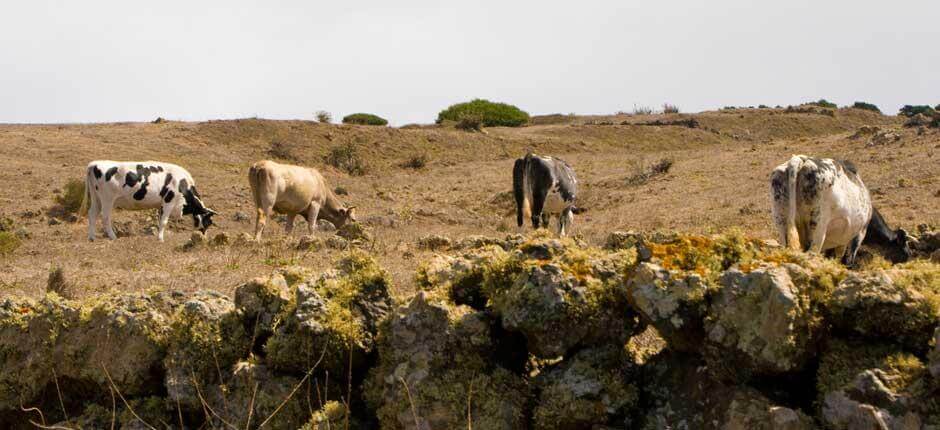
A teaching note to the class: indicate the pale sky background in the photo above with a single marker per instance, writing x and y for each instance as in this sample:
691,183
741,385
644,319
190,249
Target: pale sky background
102,61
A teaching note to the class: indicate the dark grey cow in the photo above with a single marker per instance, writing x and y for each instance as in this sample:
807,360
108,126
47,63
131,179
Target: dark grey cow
543,186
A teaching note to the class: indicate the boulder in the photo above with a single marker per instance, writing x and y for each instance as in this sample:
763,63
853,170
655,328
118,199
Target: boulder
254,391
115,338
622,240
260,301
333,316
460,278
476,241
873,306
593,387
434,242
673,304
760,324
560,295
207,337
354,232
874,385
435,363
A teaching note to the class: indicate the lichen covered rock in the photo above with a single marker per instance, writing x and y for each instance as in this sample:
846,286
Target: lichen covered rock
118,336
593,387
874,306
560,295
863,384
674,305
207,337
434,364
760,323
333,315
460,278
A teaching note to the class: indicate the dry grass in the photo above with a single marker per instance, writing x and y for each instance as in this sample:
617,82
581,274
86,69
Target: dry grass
718,169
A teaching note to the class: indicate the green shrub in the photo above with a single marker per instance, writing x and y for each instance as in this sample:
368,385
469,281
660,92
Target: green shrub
866,106
72,195
490,114
470,122
8,242
909,110
824,103
324,117
346,158
763,107
364,119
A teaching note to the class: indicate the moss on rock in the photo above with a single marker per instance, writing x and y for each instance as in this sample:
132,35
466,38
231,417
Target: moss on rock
559,295
333,315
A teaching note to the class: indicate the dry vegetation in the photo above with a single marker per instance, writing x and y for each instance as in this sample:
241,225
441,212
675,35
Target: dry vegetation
456,185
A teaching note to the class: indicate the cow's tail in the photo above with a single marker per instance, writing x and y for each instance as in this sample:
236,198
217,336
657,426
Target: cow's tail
256,180
523,205
86,196
793,169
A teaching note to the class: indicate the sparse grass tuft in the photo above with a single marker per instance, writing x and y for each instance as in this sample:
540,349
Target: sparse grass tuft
8,242
324,117
57,283
347,158
470,122
364,119
642,173
281,150
71,198
417,161
642,110
670,108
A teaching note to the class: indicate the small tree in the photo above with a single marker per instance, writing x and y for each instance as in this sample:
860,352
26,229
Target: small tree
324,117
824,103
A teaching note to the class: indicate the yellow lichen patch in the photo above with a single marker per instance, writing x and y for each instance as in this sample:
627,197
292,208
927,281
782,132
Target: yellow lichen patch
922,276
705,256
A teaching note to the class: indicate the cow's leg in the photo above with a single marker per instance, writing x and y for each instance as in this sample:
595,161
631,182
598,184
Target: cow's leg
165,212
538,202
289,227
851,253
106,208
780,204
311,216
819,226
564,221
94,207
261,220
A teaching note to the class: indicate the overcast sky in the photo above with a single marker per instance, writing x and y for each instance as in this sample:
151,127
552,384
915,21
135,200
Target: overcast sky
102,61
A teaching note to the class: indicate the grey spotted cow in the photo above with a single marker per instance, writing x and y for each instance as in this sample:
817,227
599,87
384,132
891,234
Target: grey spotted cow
821,204
543,186
139,185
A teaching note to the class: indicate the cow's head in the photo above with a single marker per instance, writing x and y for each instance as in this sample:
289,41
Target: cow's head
202,216
343,216
899,251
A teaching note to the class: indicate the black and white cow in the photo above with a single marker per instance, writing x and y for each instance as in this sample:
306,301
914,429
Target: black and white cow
893,244
821,204
543,186
141,185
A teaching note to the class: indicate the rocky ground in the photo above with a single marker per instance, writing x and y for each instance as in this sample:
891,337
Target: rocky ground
503,333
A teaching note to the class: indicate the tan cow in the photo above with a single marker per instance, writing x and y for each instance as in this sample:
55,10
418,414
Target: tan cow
293,190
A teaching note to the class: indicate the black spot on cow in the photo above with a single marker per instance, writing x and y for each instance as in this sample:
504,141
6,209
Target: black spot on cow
142,192
166,186
778,184
169,195
110,173
96,171
131,179
183,186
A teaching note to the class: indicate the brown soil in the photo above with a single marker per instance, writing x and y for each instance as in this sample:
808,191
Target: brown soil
718,180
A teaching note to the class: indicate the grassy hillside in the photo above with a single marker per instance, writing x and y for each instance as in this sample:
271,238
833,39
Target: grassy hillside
717,180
